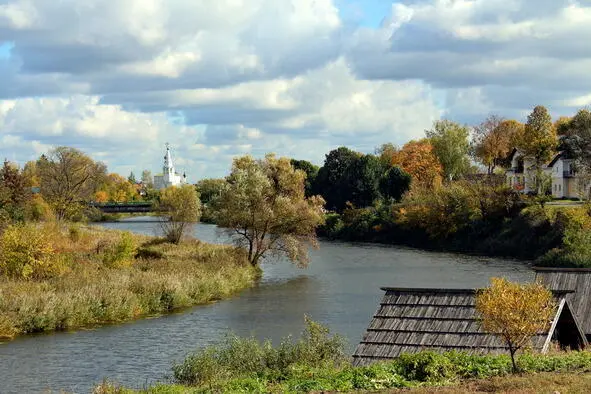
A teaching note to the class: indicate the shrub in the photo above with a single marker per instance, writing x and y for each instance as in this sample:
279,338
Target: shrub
574,229
26,252
121,253
237,357
425,367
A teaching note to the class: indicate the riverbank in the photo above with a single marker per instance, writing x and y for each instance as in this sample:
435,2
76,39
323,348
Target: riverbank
551,236
314,364
65,277
532,383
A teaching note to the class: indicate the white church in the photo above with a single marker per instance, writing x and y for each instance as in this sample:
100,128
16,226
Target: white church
169,176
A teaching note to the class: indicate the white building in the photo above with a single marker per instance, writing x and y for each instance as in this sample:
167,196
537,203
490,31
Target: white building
169,176
566,183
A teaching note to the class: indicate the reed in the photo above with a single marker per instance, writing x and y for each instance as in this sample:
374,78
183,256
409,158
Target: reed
108,276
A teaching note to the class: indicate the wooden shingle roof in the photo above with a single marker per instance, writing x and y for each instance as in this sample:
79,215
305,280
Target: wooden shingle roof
413,320
578,281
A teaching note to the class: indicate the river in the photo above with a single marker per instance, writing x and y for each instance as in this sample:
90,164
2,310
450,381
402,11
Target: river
340,288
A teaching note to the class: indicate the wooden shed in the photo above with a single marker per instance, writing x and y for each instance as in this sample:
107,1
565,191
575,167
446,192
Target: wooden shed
412,320
576,280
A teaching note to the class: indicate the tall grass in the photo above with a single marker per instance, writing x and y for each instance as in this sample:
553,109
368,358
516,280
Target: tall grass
102,282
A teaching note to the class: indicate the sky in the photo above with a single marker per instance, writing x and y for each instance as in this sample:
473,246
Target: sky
222,78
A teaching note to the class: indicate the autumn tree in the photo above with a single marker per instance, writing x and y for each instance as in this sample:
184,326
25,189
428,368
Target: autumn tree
264,209
418,159
515,312
101,196
14,193
30,174
494,139
538,141
179,206
117,189
68,178
386,152
451,146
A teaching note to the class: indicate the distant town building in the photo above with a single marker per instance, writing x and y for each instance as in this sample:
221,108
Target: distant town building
169,176
566,183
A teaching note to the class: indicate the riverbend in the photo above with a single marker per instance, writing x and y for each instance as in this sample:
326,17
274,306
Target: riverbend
339,289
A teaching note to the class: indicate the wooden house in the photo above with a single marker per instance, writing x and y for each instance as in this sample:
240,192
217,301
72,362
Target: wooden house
576,280
413,320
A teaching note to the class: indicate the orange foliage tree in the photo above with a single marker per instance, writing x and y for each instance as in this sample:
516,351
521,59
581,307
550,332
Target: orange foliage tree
493,140
418,159
101,196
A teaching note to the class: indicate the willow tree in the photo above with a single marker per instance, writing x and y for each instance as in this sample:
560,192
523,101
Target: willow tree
264,209
515,312
180,207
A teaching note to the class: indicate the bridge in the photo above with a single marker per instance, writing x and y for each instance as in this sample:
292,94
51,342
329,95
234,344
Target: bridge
123,207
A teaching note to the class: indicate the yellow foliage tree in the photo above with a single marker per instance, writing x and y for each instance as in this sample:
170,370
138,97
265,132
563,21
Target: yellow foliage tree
101,196
515,312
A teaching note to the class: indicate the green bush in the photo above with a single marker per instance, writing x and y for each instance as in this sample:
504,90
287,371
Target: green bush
237,357
121,253
574,227
426,367
332,227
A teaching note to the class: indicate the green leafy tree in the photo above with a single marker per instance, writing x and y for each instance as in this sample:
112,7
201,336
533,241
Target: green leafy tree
394,183
265,210
311,171
451,146
365,177
334,181
209,189
515,312
180,206
68,178
131,178
538,142
575,141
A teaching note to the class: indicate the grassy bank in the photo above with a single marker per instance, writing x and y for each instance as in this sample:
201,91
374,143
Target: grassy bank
61,277
316,363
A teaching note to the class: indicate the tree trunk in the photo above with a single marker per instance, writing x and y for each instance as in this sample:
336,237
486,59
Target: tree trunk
512,351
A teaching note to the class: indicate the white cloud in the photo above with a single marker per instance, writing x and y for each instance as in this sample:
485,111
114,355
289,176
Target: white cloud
227,77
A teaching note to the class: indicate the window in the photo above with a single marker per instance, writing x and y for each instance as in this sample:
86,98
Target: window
559,188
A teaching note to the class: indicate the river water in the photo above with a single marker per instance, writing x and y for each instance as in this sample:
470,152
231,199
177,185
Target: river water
341,288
